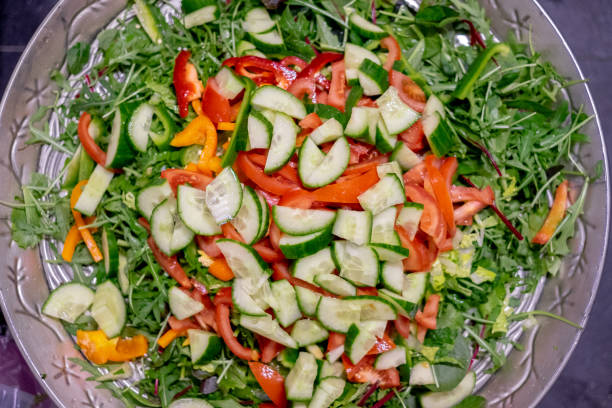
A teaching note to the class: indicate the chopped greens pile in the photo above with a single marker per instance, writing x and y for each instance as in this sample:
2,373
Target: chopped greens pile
506,121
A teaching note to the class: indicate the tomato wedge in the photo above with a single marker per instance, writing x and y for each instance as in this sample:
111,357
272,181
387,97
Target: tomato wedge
337,89
335,340
461,194
269,349
170,264
463,215
181,325
440,188
410,93
267,253
432,221
177,177
304,86
214,104
402,325
347,191
414,136
364,372
208,245
222,318
271,382
421,256
297,198
382,344
395,52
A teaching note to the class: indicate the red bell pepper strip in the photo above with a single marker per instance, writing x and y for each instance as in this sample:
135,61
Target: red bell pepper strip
170,264
448,169
269,348
222,318
318,63
256,174
177,177
224,297
91,147
347,191
288,171
281,271
295,61
283,76
268,254
395,52
186,83
310,121
304,86
555,216
271,382
440,189
337,89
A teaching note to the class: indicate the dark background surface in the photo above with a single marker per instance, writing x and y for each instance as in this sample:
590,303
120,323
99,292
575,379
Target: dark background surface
586,381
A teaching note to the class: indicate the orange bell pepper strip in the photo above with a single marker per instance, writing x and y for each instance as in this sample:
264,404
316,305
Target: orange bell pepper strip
555,216
99,349
197,107
80,223
168,337
441,191
198,131
228,126
73,238
221,270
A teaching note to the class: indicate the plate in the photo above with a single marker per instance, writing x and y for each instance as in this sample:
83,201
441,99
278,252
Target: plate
25,284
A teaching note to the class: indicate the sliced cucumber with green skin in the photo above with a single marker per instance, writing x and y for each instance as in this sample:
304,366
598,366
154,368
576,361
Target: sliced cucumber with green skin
448,399
269,42
435,127
72,166
190,403
320,263
265,217
329,131
422,374
317,169
327,369
86,166
372,307
148,20
353,57
335,284
365,28
68,301
392,253
401,305
94,191
406,158
353,225
357,264
243,260
409,218
269,328
282,146
120,149
260,131
328,390
391,167
373,78
190,154
358,126
286,309
385,142
248,221
224,196
337,314
230,85
383,225
204,346
168,231
297,221
334,354
299,384
150,197
388,192
306,332
392,276
246,48
277,99
307,300
294,247
139,125
122,275
193,211
395,113
258,20
414,286
391,359
182,305
110,251
162,137
242,298
358,342
240,135
108,309
201,16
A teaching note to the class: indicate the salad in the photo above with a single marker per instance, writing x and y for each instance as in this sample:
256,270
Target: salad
306,203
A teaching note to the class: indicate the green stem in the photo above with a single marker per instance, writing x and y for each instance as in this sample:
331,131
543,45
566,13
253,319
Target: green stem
525,315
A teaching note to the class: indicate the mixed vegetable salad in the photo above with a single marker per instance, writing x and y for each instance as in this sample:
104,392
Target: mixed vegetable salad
305,203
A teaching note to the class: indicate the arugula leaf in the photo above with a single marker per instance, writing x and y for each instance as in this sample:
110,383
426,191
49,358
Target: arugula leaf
77,57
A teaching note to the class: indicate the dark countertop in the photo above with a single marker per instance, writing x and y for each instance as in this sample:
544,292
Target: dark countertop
586,381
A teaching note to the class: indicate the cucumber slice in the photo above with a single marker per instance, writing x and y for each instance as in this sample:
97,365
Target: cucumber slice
201,16
249,219
391,167
108,309
257,20
373,78
147,20
68,301
150,197
182,305
277,99
190,403
435,127
392,276
282,146
120,150
110,251
270,42
72,166
395,113
372,307
246,48
190,154
297,221
335,354
406,158
358,264
307,300
229,83
353,57
265,217
168,231
410,217
358,126
260,131
204,346
448,399
241,296
299,384
337,314
320,263
329,131
422,374
243,260
401,305
383,231
328,390
391,359
298,247
365,28
162,127
391,253
382,195
354,226
139,126
385,142
122,275
317,169
358,342
306,332
267,327
414,286
224,196
335,284
193,211
327,369
94,191
286,309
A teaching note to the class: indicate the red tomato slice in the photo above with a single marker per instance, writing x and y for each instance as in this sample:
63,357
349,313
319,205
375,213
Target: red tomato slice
410,93
177,177
214,104
222,318
337,89
271,382
421,256
414,136
365,165
269,349
311,121
346,192
181,325
402,325
297,198
208,245
382,344
463,215
460,194
304,86
335,340
268,254
367,291
432,221
364,372
395,52
230,232
415,175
